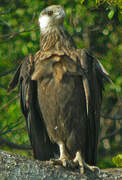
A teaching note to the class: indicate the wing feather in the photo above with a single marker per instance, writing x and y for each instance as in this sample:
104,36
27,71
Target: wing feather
42,147
96,73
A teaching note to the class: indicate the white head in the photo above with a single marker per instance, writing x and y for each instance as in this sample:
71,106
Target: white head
51,16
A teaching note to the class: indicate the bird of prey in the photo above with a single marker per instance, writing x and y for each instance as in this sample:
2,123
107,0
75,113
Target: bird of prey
60,95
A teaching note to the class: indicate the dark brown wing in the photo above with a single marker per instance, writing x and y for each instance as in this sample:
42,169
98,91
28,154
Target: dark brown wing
42,147
94,87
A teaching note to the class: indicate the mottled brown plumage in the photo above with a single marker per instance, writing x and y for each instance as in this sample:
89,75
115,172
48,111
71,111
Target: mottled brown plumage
61,94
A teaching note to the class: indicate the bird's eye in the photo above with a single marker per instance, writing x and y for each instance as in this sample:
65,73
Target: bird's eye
50,13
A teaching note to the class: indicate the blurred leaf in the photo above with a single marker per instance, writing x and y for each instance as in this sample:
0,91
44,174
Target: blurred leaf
25,50
20,12
81,1
117,160
105,163
111,13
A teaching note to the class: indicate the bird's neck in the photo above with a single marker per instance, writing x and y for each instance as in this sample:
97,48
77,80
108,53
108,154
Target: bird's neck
55,37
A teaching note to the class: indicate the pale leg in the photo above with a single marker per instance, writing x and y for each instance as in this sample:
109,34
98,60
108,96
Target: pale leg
83,165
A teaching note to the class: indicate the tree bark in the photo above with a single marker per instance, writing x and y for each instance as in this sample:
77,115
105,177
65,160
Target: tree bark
14,166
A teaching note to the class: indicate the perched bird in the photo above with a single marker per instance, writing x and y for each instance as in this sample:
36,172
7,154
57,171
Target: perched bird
61,94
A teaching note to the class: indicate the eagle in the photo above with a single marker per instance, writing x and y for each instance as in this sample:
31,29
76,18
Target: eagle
60,90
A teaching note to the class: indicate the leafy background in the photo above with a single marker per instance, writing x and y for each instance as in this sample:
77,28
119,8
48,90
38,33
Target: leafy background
95,25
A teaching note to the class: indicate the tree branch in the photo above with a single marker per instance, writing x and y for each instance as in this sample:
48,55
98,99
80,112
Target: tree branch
4,22
117,131
112,118
3,87
8,72
11,126
6,12
6,105
6,142
11,35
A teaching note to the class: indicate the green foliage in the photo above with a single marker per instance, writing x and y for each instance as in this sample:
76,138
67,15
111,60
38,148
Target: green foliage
106,162
94,25
111,13
117,160
117,3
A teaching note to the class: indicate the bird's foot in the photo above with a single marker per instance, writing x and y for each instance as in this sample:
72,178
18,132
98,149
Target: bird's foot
84,167
65,163
94,169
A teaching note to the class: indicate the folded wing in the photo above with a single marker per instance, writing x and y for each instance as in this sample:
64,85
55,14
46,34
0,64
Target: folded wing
93,86
42,147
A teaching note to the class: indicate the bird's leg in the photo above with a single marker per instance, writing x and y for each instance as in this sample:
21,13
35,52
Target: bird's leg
83,165
78,158
64,156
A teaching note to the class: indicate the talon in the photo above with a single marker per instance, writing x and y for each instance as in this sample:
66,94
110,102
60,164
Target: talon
72,165
61,162
65,163
56,162
84,166
94,169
